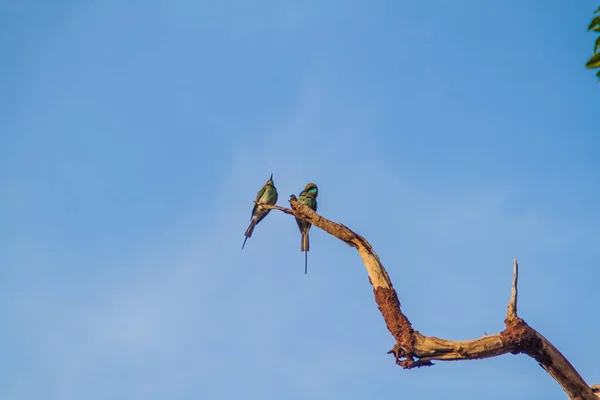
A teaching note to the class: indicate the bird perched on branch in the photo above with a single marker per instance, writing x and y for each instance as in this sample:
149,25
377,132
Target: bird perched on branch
308,197
266,195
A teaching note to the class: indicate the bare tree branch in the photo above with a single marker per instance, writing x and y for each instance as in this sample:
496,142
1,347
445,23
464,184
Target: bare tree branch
413,349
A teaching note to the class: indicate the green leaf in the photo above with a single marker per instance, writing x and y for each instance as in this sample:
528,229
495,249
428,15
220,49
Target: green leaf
597,45
594,24
594,62
597,11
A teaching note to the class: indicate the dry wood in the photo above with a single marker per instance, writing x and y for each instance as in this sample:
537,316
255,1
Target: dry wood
412,349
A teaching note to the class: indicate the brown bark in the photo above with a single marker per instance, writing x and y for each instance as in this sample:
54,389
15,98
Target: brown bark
412,349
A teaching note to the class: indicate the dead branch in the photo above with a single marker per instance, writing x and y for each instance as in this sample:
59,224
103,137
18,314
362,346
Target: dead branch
413,349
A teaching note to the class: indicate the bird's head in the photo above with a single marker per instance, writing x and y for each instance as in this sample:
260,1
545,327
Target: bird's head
270,181
312,189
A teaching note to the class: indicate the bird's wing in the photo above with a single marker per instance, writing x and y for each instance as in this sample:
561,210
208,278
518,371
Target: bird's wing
258,196
300,223
269,197
260,193
303,198
310,201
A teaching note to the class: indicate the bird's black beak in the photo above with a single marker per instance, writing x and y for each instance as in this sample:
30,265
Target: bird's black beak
271,178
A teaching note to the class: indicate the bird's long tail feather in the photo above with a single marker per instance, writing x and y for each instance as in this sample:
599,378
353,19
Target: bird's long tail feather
305,246
305,262
249,232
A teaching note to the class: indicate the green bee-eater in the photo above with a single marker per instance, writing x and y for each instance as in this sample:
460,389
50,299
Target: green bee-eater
266,195
307,197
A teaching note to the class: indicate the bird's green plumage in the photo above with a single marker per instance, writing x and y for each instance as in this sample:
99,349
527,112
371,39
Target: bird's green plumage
266,195
307,197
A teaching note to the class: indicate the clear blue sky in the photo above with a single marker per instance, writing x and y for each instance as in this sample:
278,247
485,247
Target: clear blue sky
134,136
